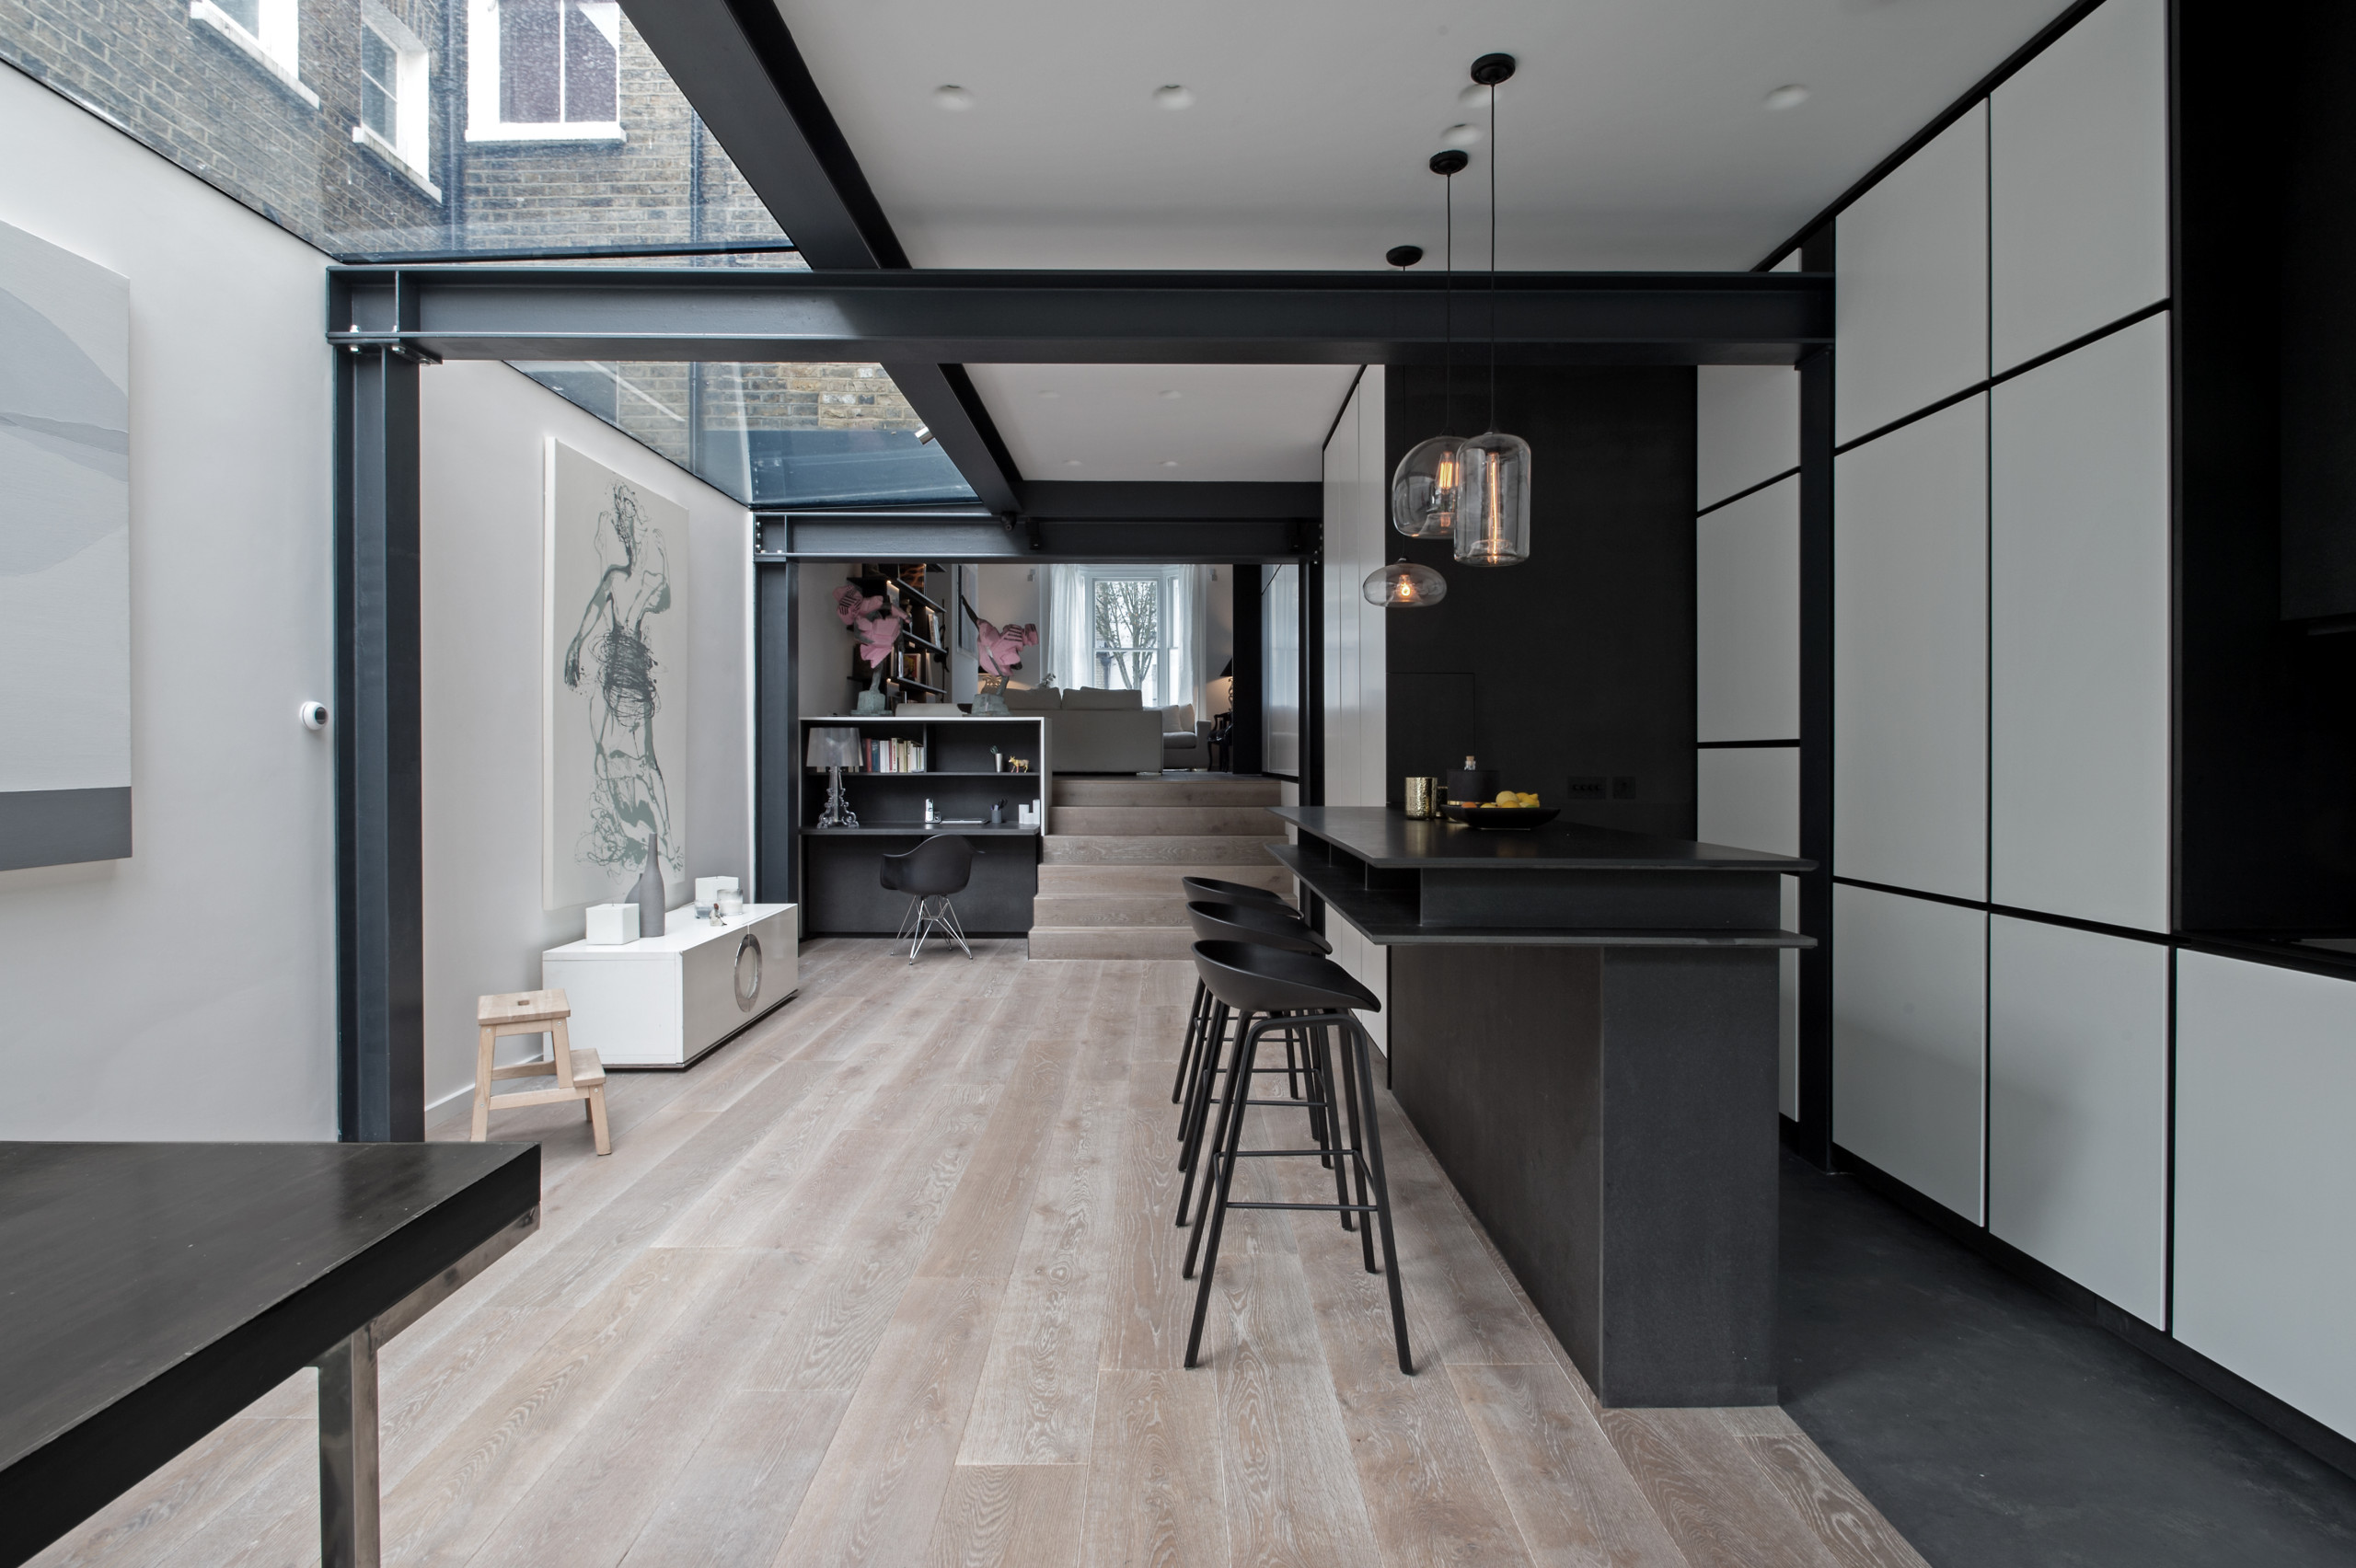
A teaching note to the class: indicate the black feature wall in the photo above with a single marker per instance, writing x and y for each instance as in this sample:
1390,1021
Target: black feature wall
1572,673
2265,150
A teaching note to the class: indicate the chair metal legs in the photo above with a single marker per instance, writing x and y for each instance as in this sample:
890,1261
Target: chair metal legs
931,913
1363,1153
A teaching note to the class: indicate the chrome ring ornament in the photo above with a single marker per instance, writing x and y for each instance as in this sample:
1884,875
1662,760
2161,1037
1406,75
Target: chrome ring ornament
748,972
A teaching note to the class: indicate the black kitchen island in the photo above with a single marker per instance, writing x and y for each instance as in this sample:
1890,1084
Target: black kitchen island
1583,1028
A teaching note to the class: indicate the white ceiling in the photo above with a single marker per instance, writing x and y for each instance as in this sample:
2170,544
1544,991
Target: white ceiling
1120,421
1635,133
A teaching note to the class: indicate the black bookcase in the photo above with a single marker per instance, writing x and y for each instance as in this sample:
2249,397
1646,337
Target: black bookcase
841,894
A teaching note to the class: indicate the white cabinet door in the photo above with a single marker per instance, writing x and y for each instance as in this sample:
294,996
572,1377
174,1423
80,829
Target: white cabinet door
1909,794
1909,1039
1750,797
1745,427
1911,257
2077,1106
1747,617
2078,183
2078,685
2266,1179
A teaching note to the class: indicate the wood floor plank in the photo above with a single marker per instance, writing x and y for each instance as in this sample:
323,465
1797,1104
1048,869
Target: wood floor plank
849,1303
983,1228
155,1522
1149,1312
593,1499
1155,1496
1851,1528
1037,1402
1710,1493
450,1500
733,1502
734,1209
1009,1517
877,1492
1576,1504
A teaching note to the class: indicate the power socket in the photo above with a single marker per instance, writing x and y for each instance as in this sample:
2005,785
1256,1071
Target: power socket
1586,787
1623,788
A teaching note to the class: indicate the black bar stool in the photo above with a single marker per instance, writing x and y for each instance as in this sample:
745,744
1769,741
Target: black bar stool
1271,925
1210,890
1272,989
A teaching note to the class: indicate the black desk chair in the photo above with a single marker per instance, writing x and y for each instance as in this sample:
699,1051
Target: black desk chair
928,874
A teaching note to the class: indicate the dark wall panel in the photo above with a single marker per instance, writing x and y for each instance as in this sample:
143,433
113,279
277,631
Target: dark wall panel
1579,662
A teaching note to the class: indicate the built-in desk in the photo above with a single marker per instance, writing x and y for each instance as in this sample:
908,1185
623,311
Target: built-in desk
1583,1028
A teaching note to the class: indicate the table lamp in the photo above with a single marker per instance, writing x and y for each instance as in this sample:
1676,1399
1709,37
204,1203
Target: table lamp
833,748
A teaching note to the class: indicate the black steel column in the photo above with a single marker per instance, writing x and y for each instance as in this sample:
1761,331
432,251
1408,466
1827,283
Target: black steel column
380,961
776,767
1814,1142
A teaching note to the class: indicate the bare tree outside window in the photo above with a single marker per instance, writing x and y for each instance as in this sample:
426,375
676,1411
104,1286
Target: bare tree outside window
1128,631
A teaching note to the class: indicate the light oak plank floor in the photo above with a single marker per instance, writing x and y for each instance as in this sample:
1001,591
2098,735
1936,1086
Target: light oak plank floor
891,1279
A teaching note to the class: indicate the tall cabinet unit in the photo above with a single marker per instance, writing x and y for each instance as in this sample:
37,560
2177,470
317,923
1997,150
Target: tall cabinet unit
1357,540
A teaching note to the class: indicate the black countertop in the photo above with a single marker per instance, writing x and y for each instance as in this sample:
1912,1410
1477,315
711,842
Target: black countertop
1390,840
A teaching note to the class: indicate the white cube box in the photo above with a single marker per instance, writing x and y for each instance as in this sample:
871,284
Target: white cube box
611,925
663,1001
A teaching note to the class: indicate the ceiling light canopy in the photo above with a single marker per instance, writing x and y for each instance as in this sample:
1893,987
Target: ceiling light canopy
1403,255
1169,95
951,96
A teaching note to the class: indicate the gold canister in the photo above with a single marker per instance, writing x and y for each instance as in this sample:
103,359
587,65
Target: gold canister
1422,798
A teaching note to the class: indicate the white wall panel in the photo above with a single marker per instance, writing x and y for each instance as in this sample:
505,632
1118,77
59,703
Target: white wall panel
1747,617
1748,797
1912,261
2078,182
2079,617
1910,656
1908,1038
2077,1106
1745,427
2266,1179
1358,540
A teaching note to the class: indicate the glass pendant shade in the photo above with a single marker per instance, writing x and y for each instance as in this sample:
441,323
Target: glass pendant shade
1404,585
1424,490
1492,512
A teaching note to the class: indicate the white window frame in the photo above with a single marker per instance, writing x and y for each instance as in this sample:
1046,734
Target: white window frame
483,123
408,150
276,50
1165,647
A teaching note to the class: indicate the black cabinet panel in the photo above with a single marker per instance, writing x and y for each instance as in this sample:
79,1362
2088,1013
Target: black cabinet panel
842,894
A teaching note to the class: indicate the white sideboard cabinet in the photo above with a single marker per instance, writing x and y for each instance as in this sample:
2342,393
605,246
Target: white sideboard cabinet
663,1001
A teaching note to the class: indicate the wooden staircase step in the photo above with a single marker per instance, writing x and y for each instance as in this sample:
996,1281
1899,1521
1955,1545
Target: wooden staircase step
1167,793
1189,851
1112,941
1252,822
1058,880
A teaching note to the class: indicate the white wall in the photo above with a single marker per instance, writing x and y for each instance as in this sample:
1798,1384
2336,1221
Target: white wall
1358,540
484,427
189,992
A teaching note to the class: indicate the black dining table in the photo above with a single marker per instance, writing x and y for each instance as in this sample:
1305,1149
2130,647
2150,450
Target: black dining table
151,1291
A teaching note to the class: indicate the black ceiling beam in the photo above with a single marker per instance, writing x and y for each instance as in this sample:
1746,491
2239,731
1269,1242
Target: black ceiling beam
947,318
737,64
849,535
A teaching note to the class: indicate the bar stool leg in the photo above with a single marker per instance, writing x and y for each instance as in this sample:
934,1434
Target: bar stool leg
1357,1154
1207,1047
1230,1124
1232,1139
1340,1158
1381,1192
1196,1018
1205,1087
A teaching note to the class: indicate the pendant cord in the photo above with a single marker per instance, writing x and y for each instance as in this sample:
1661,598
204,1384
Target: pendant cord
1493,256
1447,315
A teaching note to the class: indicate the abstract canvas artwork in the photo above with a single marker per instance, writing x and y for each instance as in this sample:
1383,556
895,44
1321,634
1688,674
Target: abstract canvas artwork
615,740
65,557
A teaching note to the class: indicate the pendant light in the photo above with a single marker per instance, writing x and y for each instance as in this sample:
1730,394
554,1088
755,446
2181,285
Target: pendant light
1425,487
1404,585
1493,508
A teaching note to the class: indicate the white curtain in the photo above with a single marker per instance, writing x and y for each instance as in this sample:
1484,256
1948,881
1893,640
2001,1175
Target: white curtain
1071,651
1189,636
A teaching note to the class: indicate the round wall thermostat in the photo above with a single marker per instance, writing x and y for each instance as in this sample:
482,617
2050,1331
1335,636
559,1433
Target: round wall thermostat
315,715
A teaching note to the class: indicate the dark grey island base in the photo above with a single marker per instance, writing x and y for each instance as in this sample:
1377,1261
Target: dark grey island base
1583,1028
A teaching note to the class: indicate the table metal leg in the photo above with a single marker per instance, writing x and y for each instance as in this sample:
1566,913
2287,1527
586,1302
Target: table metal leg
349,1533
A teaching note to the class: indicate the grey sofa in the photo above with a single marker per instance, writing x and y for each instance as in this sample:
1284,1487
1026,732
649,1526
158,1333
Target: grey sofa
1184,742
1092,731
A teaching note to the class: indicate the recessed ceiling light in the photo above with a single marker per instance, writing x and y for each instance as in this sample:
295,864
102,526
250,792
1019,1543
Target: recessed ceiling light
1172,96
1172,392
1044,392
1790,96
1460,135
1170,462
951,96
1071,462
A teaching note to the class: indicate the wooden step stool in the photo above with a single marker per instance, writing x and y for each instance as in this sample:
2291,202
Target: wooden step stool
579,1074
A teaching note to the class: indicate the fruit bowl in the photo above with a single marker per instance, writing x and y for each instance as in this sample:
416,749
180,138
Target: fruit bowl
1501,819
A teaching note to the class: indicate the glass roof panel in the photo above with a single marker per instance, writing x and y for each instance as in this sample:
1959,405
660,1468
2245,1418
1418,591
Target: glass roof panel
411,128
771,435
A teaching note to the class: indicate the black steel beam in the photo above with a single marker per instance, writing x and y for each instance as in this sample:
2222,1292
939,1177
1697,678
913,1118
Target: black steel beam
851,535
737,62
1099,318
380,953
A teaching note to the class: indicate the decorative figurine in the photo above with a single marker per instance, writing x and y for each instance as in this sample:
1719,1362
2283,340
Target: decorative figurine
999,649
877,626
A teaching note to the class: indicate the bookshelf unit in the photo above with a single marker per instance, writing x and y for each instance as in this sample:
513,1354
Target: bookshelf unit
918,670
840,893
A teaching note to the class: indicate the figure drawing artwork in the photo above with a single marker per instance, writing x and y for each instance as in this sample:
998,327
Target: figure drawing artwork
65,557
617,697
